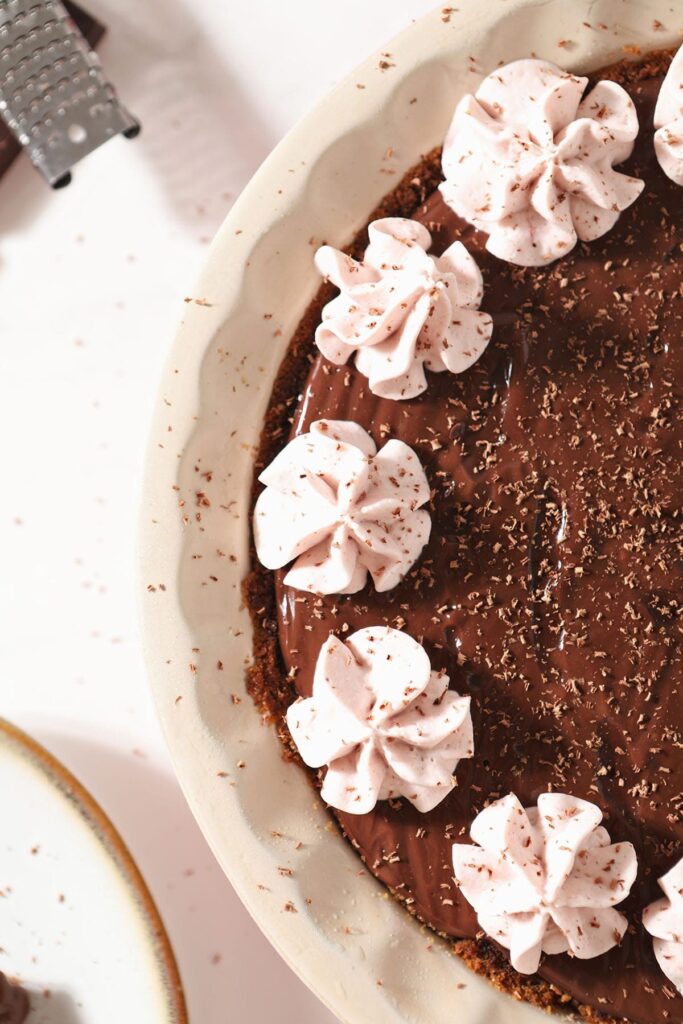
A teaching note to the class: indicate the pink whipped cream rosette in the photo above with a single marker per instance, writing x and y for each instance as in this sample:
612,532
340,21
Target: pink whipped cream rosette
402,310
383,722
669,121
663,919
545,879
339,509
531,163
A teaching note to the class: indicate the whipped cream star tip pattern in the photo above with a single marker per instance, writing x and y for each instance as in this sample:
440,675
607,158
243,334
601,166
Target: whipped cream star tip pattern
669,121
339,509
530,161
545,879
663,919
401,309
385,724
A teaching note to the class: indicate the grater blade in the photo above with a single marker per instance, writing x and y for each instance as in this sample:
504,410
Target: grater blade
54,96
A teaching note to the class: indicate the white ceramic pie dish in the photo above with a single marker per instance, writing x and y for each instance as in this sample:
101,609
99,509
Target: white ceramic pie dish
348,940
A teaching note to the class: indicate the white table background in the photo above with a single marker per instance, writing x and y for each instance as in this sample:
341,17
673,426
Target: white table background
91,285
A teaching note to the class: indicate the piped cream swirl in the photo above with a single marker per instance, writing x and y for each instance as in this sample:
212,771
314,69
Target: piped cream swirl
402,310
531,163
545,879
382,721
339,509
663,919
669,121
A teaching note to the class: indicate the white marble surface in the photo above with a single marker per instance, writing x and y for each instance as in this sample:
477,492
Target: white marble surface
91,284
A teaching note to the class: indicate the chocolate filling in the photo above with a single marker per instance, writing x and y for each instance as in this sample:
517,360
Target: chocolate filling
551,587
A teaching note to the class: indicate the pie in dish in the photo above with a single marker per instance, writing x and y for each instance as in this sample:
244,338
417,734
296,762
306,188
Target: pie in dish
466,591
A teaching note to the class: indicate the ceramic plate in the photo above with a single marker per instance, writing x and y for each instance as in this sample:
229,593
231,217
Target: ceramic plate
334,924
78,926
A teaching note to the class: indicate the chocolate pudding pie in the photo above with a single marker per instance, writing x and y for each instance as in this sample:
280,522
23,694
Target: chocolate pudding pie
466,590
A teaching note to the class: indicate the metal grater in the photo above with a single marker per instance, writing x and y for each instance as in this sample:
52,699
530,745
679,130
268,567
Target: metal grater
54,96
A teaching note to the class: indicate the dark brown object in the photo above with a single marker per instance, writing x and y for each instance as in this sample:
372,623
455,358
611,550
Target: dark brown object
14,1004
93,31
